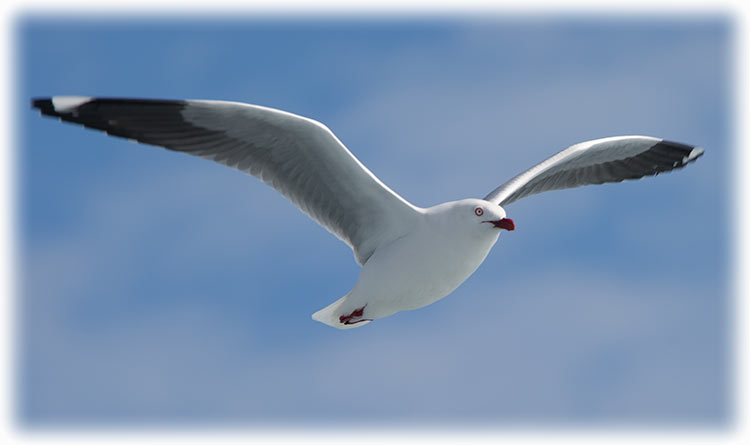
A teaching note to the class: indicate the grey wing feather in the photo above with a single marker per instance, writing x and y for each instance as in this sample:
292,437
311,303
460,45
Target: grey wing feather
599,161
297,156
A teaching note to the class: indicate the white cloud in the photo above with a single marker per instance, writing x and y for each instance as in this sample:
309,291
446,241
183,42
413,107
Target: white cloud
570,345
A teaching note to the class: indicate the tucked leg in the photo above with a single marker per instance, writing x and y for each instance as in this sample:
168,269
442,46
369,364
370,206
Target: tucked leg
354,317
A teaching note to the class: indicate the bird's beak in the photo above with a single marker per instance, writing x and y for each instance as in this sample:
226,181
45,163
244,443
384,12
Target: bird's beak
505,223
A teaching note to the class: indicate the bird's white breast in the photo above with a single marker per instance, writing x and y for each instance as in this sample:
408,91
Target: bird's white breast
419,269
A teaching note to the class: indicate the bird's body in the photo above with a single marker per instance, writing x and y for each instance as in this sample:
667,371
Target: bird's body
410,256
442,250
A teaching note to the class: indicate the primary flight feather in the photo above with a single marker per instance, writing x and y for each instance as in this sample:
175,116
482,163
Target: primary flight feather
410,256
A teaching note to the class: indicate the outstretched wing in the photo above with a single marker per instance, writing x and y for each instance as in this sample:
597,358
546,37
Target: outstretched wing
596,162
299,157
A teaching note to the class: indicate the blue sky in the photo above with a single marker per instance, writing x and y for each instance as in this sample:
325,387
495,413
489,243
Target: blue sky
162,289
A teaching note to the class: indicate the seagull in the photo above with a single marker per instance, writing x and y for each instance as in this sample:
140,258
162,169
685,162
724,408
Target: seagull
410,256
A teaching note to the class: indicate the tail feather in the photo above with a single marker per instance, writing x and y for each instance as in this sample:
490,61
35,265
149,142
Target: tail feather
330,315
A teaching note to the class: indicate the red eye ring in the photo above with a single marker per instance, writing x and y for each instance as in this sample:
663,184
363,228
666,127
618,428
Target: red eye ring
479,211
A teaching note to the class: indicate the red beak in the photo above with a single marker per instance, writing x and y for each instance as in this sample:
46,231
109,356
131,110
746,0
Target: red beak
505,223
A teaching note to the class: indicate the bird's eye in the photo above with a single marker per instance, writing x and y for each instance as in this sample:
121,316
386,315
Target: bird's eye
479,211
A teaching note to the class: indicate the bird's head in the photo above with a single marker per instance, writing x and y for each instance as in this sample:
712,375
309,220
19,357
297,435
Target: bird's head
483,216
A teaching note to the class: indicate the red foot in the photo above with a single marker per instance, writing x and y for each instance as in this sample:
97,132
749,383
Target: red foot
349,319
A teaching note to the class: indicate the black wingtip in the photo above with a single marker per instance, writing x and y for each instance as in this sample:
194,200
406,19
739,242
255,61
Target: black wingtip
677,145
44,105
689,152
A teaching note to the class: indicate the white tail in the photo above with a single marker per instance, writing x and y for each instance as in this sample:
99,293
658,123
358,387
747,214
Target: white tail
330,315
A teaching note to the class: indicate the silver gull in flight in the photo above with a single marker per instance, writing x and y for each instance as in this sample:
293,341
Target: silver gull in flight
410,256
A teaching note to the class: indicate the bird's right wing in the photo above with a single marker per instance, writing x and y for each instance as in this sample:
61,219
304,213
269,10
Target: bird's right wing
596,162
299,157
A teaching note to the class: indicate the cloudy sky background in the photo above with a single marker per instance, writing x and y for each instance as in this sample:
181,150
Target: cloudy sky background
162,289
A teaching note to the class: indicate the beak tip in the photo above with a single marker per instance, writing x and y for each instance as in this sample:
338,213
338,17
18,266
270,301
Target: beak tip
505,223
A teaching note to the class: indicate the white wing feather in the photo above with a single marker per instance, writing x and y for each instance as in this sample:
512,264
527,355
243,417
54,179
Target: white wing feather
299,157
599,161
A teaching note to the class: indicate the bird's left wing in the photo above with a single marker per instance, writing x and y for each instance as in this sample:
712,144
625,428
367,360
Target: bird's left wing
299,157
599,161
